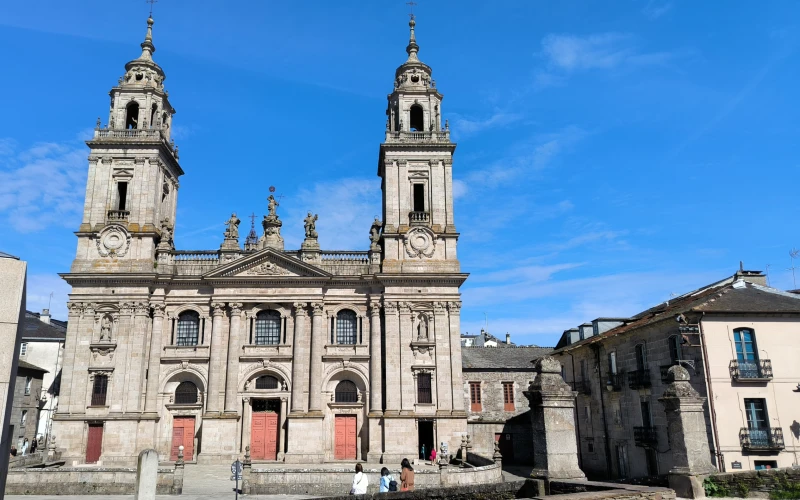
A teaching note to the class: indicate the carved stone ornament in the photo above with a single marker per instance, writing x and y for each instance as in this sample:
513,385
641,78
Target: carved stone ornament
420,242
113,241
266,269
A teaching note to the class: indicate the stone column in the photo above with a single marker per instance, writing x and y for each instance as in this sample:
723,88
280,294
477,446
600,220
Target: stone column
552,402
247,421
318,333
376,399
442,378
392,357
215,374
133,392
686,430
154,363
282,428
234,341
457,384
299,346
408,391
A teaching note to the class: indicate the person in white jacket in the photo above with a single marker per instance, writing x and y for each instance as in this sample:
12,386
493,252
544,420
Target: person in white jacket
359,482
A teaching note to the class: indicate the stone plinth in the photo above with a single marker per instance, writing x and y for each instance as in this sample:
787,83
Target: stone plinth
146,475
552,402
688,441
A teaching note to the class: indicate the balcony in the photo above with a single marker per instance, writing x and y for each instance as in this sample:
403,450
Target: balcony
751,371
645,436
419,218
136,136
764,439
117,215
615,381
426,136
639,379
582,387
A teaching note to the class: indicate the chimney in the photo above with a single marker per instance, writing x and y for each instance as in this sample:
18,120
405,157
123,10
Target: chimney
508,339
45,316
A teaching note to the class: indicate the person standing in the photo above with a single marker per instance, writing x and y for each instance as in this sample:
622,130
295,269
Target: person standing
359,482
433,455
386,482
406,476
33,446
422,455
25,447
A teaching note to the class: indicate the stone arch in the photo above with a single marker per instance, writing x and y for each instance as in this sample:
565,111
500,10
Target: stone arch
181,374
202,311
267,306
334,310
256,370
132,115
336,373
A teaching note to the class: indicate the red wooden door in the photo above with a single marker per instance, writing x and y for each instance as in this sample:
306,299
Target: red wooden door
344,437
94,443
264,436
182,434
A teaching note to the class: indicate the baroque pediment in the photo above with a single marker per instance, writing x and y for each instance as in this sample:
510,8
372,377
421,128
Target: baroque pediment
267,263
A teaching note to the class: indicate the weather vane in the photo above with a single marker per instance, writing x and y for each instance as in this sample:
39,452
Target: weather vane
411,4
151,2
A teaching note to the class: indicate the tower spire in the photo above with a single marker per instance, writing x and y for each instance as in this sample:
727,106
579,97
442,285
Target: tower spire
412,47
147,46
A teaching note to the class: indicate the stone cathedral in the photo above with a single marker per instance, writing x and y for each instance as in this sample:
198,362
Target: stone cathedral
305,355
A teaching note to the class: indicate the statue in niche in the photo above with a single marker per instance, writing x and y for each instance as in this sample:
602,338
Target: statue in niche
105,328
232,232
422,328
311,226
272,206
284,387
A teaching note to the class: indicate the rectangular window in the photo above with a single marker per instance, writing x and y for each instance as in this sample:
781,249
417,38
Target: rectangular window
24,418
28,381
419,197
756,413
424,395
647,418
641,357
23,349
675,342
122,195
99,390
583,370
590,445
612,363
745,345
508,396
475,396
765,464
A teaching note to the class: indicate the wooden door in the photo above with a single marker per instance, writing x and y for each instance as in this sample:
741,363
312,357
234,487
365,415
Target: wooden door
94,443
264,436
182,434
345,437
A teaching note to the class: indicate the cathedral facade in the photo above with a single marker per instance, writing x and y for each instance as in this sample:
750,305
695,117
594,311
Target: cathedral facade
304,356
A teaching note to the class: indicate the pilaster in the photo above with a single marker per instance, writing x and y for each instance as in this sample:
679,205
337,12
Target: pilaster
234,343
154,362
300,351
376,396
456,375
392,363
443,378
318,334
215,374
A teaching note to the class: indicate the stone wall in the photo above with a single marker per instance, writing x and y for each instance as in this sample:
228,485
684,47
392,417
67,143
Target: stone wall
338,481
27,460
495,491
754,483
83,481
28,403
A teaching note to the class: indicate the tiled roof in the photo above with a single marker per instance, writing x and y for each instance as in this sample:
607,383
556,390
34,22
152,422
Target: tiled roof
510,358
37,329
27,366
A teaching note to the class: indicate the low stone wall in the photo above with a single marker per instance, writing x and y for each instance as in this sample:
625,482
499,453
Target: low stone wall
338,481
84,481
754,483
496,491
579,490
26,460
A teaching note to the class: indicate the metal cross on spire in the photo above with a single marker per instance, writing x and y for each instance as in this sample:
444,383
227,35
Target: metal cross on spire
151,2
411,4
253,219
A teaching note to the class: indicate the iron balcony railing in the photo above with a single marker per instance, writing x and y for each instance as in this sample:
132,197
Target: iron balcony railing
753,371
582,387
117,215
615,381
766,438
645,436
639,379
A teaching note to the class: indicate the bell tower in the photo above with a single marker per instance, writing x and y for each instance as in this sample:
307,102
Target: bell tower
132,185
416,166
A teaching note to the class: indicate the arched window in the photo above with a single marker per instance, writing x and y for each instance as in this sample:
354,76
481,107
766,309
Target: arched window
266,382
188,328
153,113
346,392
132,115
417,118
186,394
346,327
268,328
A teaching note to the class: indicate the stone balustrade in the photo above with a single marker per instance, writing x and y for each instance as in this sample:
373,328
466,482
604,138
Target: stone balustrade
424,136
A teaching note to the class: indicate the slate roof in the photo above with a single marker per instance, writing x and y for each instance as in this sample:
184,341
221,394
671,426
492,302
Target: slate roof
27,366
36,329
496,358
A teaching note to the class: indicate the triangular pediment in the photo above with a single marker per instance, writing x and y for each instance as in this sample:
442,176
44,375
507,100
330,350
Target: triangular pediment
267,263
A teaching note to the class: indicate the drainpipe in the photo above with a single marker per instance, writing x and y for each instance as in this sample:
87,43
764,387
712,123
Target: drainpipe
575,415
606,441
709,391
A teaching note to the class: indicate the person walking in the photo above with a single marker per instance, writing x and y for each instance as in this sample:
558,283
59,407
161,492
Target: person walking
433,455
359,482
25,447
33,446
387,482
406,476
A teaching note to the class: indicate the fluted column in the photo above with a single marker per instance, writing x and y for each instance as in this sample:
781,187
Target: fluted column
456,385
300,352
376,401
215,374
315,364
154,362
234,341
392,357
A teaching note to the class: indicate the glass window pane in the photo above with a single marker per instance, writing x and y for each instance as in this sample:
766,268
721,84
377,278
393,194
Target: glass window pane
268,328
346,327
188,329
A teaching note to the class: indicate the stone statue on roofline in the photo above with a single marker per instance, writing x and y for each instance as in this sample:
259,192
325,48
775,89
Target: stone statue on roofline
232,231
310,224
272,206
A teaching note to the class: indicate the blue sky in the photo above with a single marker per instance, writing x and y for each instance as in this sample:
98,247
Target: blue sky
610,154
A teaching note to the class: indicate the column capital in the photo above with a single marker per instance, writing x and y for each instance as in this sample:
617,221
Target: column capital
405,307
390,307
75,308
317,308
300,309
374,308
141,309
439,307
246,400
218,308
235,307
454,307
158,309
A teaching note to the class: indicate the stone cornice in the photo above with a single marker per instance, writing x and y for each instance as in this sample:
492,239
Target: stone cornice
456,279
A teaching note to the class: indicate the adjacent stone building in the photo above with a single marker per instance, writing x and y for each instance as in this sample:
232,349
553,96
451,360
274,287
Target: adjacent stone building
27,403
737,339
304,355
495,379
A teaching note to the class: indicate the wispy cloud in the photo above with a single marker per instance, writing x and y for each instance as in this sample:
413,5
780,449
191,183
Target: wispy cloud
40,286
655,9
463,126
41,186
